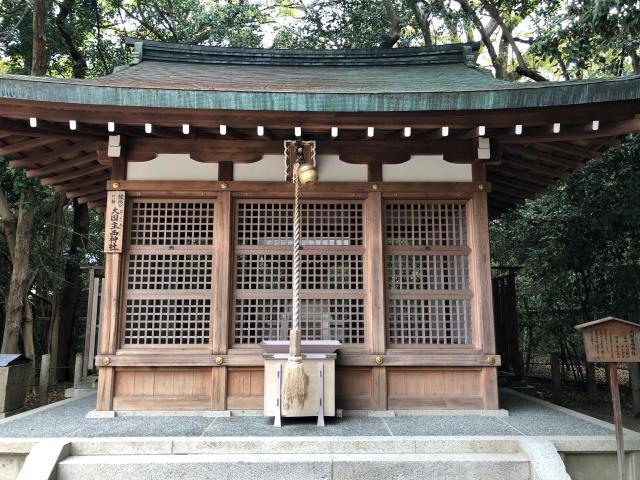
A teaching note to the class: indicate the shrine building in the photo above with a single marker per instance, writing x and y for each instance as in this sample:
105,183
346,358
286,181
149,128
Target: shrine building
415,150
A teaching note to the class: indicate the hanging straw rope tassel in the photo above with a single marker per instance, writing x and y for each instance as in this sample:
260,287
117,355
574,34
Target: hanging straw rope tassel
294,384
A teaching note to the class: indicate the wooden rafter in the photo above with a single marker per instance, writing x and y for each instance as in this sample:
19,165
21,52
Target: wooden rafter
535,167
82,172
571,149
94,197
536,155
63,166
71,186
610,129
26,145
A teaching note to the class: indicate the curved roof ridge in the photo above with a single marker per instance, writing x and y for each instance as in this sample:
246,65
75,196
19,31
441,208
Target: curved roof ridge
463,53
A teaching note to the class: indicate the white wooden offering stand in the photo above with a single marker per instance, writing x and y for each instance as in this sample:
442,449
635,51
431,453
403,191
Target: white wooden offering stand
319,360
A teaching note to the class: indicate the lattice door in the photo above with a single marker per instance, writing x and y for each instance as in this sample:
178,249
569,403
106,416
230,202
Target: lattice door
427,260
332,281
167,299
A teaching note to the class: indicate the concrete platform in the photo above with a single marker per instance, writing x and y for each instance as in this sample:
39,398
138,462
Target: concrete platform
527,417
586,446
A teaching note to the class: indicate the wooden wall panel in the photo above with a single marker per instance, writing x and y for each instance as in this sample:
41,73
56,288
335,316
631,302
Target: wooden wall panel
245,388
163,389
424,388
354,388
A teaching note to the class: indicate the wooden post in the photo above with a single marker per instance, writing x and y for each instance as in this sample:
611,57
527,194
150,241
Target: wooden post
592,385
612,367
375,287
480,269
555,376
77,372
634,376
43,396
111,294
87,329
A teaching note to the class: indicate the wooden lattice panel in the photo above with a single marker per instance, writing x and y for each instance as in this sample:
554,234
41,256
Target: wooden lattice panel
318,272
428,284
425,224
429,322
270,223
260,319
427,272
167,321
169,270
150,271
332,270
170,222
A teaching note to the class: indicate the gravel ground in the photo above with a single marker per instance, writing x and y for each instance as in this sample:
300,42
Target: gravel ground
575,398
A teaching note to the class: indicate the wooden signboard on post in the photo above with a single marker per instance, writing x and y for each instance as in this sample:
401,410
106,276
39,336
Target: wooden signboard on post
114,222
611,340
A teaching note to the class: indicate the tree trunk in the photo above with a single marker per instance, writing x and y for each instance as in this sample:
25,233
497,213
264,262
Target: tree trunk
422,19
56,242
18,287
394,26
39,39
71,291
27,335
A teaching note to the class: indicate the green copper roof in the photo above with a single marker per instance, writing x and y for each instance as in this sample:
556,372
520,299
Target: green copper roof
383,80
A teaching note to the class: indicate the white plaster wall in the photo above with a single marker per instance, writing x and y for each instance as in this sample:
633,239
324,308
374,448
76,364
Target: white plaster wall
426,168
332,169
268,169
172,167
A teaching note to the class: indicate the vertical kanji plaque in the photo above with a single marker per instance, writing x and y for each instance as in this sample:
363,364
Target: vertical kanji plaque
114,222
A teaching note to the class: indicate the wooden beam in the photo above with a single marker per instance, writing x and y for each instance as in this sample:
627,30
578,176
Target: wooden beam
83,172
53,156
7,150
99,206
374,172
44,129
571,149
88,190
66,187
527,152
535,167
609,129
500,187
135,115
507,171
141,149
63,165
448,189
225,171
512,182
93,197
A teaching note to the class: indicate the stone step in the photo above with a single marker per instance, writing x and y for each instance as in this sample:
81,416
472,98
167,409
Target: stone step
305,466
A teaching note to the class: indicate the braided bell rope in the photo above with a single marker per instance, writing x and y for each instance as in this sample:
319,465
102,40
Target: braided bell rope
296,248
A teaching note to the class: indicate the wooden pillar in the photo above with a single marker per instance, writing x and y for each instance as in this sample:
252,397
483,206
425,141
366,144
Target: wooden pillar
375,294
480,263
221,312
88,331
110,304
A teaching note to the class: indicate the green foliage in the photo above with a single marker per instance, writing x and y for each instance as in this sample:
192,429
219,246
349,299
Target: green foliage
592,37
578,244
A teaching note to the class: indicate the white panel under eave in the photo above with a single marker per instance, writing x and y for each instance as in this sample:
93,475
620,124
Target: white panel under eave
171,166
426,168
332,169
270,168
